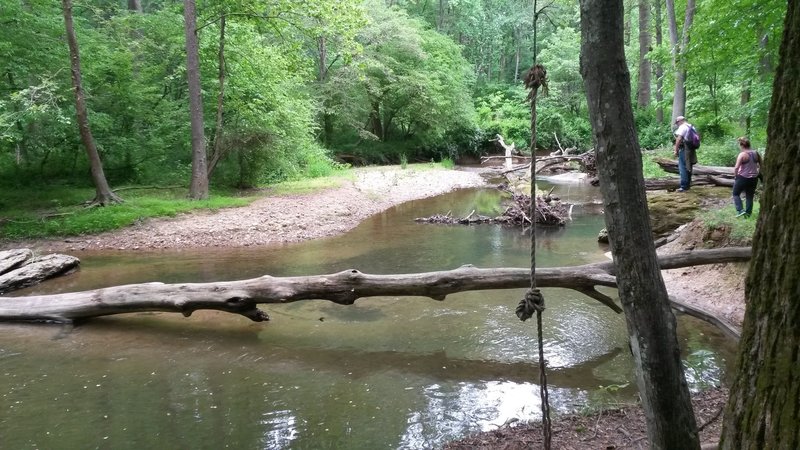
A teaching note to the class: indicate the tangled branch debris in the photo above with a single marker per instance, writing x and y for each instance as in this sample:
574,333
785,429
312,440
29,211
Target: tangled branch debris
549,211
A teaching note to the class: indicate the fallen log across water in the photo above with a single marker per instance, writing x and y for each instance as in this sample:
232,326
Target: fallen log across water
242,297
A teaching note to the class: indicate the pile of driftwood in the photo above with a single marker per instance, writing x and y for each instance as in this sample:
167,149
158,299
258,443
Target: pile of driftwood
549,211
20,268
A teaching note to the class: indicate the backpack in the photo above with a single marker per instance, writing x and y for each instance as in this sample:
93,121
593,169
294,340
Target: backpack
692,138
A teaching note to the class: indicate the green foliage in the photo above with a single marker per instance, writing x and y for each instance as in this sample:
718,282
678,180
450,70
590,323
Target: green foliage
410,86
57,210
393,85
649,167
716,153
505,112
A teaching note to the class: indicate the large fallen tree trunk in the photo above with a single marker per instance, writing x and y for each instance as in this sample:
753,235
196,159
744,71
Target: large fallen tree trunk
671,166
242,297
701,175
671,184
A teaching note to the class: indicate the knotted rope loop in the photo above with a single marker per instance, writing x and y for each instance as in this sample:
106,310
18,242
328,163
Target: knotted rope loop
532,302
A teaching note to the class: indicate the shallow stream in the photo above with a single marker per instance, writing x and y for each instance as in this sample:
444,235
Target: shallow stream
388,372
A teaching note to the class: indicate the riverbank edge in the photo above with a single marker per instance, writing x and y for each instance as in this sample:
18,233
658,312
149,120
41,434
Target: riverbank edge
334,211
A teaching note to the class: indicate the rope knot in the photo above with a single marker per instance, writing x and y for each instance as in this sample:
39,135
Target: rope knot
533,302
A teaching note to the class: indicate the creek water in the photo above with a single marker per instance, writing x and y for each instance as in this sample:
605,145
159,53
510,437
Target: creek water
389,372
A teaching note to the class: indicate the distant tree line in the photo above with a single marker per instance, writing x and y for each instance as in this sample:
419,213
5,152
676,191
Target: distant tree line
288,88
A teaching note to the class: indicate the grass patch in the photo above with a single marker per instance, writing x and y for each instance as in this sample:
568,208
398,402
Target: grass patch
447,163
741,228
649,167
58,210
309,185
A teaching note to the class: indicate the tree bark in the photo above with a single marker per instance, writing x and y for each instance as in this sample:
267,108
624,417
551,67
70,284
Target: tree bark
744,121
671,184
241,297
645,68
659,67
135,6
218,149
198,188
678,50
764,406
651,323
103,193
671,166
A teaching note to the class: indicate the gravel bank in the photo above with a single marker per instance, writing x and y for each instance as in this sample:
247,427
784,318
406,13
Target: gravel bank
276,219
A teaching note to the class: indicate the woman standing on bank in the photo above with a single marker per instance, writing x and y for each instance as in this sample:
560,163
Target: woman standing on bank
746,171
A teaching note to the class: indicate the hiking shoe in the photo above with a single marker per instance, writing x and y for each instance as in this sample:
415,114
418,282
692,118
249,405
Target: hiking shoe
681,190
742,214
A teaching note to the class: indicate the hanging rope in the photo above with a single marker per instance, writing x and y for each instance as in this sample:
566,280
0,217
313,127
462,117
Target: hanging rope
534,300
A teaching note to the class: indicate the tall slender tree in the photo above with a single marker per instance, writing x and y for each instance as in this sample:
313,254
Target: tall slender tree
103,193
764,405
651,323
217,149
645,68
679,46
659,67
198,189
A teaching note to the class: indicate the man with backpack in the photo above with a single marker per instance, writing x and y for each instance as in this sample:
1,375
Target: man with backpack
687,140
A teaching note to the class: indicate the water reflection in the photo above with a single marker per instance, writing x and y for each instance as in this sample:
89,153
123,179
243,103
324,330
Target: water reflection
386,372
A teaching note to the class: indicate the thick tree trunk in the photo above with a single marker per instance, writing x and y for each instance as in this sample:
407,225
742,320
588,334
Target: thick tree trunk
764,405
645,68
241,297
651,323
103,193
198,189
376,124
135,6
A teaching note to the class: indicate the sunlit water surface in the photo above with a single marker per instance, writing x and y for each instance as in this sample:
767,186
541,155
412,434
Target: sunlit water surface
387,372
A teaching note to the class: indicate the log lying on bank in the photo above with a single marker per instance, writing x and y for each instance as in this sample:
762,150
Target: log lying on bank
671,184
709,175
242,297
20,268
